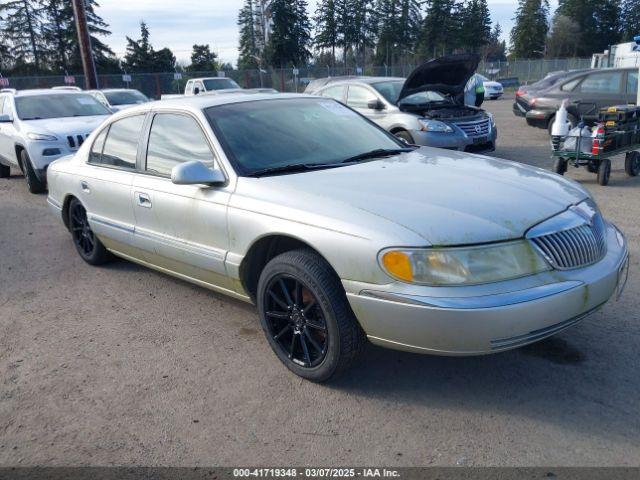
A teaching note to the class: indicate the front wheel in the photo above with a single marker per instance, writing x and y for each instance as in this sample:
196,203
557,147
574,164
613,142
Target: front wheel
87,244
306,317
632,164
604,172
559,166
34,184
405,137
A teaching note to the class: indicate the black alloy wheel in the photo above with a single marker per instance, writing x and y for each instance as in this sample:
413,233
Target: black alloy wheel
87,244
295,321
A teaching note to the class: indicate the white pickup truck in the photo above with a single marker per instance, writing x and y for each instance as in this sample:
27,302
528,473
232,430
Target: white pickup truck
213,85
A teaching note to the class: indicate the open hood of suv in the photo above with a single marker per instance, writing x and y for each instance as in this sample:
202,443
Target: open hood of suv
447,75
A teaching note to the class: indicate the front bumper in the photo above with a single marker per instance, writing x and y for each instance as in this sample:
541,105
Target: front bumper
456,140
486,318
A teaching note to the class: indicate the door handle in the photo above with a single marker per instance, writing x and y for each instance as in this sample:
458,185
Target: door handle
143,200
85,187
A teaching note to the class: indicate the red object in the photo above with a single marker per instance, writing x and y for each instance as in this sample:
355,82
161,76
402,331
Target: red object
70,80
533,101
4,82
519,93
597,140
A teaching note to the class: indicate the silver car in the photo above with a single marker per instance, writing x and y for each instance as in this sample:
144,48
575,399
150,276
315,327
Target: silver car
427,108
337,230
40,126
116,99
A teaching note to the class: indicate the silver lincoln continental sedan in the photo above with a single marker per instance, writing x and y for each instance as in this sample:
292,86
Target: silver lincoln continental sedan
338,231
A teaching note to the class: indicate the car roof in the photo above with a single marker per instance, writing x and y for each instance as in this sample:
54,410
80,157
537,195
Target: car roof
114,90
45,91
365,80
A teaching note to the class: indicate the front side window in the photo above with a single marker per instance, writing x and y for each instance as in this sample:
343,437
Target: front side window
121,145
602,83
37,107
219,84
175,139
334,92
570,86
359,97
632,83
281,132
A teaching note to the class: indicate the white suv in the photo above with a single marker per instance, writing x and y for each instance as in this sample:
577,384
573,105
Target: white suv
40,126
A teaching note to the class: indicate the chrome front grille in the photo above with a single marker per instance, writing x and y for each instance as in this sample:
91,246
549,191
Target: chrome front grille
76,141
575,247
478,128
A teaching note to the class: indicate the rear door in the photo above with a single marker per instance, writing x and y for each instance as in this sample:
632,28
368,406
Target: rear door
181,228
105,183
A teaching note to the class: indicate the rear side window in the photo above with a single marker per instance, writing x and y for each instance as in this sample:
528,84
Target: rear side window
608,82
175,139
121,145
334,92
96,150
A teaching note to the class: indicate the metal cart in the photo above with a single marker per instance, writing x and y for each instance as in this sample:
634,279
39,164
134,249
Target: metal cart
599,163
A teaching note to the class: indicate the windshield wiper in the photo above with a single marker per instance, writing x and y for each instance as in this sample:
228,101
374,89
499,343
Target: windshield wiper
377,153
293,168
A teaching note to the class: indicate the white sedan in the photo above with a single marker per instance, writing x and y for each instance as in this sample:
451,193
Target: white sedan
492,90
338,231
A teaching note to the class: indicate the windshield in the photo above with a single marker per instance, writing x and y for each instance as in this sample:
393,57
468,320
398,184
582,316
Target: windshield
38,107
129,97
276,133
219,84
391,91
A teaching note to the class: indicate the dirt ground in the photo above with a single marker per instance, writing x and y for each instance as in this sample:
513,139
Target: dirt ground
122,365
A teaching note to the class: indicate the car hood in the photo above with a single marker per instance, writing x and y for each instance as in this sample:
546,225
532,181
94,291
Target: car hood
447,75
61,127
492,84
446,198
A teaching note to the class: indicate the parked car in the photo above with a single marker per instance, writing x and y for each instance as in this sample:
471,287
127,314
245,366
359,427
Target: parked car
492,90
548,81
196,86
337,230
40,126
117,99
425,109
587,93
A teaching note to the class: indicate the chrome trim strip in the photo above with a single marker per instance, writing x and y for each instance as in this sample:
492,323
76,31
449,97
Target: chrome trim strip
111,224
54,203
471,303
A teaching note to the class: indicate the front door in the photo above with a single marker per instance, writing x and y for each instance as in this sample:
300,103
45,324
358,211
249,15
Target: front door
181,228
359,98
7,132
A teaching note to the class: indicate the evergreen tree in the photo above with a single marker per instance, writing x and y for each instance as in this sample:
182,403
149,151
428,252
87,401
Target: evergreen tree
475,23
249,21
496,49
163,61
327,29
529,34
598,20
140,55
440,28
22,24
564,38
290,36
357,27
203,59
630,19
398,29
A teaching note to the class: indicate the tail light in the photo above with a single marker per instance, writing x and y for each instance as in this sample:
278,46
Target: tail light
597,140
519,93
533,101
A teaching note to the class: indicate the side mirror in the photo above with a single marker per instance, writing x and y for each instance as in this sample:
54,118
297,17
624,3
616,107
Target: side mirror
196,90
196,173
6,119
376,105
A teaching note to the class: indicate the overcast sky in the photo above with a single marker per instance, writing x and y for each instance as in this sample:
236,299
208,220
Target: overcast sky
178,24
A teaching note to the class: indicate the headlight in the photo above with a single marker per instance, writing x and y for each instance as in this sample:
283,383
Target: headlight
493,121
434,126
41,136
463,265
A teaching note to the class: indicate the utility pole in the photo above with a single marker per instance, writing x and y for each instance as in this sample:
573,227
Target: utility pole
84,40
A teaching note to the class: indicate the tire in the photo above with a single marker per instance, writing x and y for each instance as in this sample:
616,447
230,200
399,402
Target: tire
33,182
404,136
604,172
570,119
87,244
632,164
5,172
306,317
559,166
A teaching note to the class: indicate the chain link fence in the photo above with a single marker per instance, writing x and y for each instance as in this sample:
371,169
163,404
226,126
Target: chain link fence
513,73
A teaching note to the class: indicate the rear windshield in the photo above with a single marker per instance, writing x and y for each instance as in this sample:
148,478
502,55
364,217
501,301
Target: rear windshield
276,133
39,107
219,84
130,97
391,91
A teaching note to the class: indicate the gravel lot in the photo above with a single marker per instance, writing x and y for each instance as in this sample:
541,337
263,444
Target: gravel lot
122,365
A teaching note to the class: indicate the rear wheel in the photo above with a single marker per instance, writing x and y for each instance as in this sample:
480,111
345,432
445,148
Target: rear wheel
560,165
604,172
632,164
5,172
89,247
306,317
33,182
